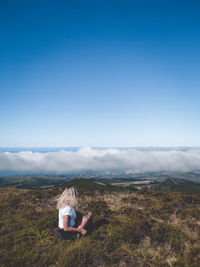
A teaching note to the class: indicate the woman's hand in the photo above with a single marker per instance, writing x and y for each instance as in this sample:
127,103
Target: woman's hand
70,229
83,231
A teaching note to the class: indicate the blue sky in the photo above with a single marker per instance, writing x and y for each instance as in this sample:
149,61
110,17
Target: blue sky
99,73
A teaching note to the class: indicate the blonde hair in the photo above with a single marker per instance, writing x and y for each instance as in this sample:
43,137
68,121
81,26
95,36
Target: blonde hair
68,197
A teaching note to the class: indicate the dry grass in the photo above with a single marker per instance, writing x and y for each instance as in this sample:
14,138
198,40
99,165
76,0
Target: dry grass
143,228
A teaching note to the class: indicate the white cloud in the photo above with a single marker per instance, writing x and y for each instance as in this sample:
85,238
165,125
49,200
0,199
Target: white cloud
100,159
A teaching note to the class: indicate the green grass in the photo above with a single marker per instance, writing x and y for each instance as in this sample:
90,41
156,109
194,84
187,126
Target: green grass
89,185
169,185
142,228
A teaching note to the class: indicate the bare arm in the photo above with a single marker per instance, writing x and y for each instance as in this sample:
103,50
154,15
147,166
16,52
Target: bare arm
66,219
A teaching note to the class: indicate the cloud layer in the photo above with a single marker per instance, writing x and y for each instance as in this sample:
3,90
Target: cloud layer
102,159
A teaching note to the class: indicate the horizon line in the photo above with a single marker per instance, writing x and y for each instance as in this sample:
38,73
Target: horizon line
160,146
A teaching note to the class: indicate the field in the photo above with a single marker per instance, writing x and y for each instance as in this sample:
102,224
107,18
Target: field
130,228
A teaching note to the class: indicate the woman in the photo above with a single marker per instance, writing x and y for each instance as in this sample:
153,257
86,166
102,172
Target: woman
68,222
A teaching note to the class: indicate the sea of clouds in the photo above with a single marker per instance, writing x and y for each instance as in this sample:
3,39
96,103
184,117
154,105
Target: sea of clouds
101,159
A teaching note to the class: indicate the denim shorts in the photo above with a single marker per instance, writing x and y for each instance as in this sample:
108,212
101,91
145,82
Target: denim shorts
67,235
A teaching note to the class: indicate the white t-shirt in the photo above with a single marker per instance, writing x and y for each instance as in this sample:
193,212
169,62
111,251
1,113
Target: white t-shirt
68,210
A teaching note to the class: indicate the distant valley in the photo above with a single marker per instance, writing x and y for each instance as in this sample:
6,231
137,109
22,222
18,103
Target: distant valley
177,181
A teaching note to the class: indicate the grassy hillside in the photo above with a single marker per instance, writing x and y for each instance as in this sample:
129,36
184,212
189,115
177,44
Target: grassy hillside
170,185
143,228
89,185
30,181
47,181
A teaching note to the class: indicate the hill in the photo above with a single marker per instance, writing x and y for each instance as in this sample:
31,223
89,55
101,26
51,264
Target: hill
51,181
31,181
90,185
171,185
143,228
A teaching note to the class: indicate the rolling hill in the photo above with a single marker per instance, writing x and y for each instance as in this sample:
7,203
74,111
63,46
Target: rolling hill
171,185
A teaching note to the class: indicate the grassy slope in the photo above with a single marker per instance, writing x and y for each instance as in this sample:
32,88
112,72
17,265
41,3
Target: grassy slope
46,181
170,185
144,228
27,181
88,185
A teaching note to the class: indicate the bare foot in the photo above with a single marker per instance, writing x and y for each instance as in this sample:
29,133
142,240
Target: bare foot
78,235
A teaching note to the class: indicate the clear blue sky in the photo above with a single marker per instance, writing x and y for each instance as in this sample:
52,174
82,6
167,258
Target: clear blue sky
99,73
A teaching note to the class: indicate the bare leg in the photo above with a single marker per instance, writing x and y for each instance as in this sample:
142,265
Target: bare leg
85,219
